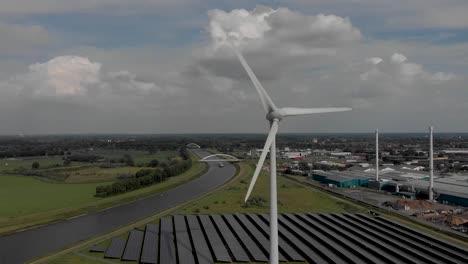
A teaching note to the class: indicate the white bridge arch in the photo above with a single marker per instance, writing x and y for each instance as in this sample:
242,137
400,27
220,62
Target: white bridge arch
193,145
220,157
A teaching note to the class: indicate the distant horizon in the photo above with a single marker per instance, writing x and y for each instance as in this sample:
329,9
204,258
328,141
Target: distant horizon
218,133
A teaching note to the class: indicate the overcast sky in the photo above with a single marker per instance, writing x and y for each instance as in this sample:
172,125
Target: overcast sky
147,66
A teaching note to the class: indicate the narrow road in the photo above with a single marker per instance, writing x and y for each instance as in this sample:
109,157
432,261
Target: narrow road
29,244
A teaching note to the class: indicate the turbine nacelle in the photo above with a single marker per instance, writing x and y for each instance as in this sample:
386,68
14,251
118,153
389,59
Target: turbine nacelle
277,115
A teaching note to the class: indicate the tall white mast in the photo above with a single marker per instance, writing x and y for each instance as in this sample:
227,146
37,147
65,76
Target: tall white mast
377,155
274,254
431,165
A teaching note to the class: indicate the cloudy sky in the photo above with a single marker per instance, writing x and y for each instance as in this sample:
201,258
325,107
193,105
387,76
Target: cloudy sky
147,66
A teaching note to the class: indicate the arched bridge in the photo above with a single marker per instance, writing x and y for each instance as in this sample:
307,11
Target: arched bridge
193,146
219,157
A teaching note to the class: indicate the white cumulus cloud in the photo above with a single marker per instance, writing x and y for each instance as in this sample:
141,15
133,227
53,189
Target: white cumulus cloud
269,26
71,76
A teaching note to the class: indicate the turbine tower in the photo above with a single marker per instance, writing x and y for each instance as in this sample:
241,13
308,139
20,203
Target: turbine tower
431,165
377,155
273,115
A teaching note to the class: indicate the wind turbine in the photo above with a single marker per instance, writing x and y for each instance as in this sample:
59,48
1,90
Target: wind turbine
274,115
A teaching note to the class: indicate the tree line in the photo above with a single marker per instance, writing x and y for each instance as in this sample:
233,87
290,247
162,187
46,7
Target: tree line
147,177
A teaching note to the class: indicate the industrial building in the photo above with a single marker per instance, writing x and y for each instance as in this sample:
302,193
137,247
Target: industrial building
312,238
452,189
345,179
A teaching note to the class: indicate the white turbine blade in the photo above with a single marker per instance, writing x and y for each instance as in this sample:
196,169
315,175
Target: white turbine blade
267,103
271,136
292,111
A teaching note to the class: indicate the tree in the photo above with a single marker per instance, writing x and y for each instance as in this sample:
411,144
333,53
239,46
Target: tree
35,165
127,159
153,163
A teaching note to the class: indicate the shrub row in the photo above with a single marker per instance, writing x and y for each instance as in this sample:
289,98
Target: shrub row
143,178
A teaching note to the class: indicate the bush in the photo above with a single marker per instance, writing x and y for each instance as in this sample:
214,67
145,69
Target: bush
35,165
127,159
142,173
255,201
124,176
153,163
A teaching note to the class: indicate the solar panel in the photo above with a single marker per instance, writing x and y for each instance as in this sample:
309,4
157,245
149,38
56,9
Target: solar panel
292,254
366,240
258,236
97,249
356,253
309,254
149,253
249,244
202,250
133,247
310,241
430,241
315,238
184,246
167,248
116,248
236,248
331,245
217,246
417,249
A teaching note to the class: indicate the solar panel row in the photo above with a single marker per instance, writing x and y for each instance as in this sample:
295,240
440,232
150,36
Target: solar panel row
284,247
167,250
315,238
449,249
382,251
245,239
133,247
116,248
295,242
149,252
184,246
220,252
238,252
202,250
343,244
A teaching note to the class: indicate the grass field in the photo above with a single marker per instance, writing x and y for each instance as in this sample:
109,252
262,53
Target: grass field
292,197
138,155
23,195
8,165
94,174
26,201
83,172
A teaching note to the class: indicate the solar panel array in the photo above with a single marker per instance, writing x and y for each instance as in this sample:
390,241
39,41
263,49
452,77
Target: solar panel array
312,238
